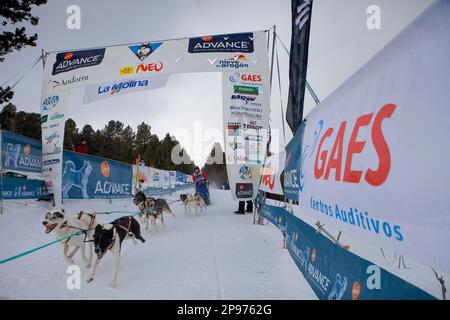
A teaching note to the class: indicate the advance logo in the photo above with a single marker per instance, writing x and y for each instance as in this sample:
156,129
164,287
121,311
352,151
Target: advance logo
68,61
244,190
239,42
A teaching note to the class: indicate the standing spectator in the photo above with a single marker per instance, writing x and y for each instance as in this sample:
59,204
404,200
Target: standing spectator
81,147
242,210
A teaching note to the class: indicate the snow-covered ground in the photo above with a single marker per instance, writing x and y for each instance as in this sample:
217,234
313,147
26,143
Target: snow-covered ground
215,256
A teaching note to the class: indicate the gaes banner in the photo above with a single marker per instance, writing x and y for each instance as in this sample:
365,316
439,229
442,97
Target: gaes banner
375,168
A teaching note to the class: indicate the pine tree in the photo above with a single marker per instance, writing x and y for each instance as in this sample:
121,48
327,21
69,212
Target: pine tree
143,136
71,137
12,12
127,142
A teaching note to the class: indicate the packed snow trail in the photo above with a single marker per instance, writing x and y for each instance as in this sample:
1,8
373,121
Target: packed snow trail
218,255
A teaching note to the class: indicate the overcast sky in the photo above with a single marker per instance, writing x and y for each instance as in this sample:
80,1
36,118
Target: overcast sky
340,44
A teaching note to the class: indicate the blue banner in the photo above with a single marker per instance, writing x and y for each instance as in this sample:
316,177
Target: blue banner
334,273
277,216
89,177
21,188
20,153
291,170
83,176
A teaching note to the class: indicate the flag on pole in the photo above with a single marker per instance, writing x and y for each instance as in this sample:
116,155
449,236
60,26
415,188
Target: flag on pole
298,61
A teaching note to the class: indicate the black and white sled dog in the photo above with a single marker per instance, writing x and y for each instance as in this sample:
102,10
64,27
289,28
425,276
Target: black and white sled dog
151,209
187,201
56,223
199,202
109,237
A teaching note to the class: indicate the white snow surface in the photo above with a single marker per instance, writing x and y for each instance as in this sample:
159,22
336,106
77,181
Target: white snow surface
219,255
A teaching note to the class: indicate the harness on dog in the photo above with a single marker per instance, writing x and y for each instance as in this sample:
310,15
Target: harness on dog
126,229
147,209
91,221
89,225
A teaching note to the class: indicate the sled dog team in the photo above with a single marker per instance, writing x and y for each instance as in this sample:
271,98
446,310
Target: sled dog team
109,237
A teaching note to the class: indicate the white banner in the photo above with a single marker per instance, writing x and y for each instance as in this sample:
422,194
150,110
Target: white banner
271,176
95,92
105,72
375,153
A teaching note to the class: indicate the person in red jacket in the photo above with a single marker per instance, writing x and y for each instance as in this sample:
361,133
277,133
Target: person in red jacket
198,175
201,184
82,147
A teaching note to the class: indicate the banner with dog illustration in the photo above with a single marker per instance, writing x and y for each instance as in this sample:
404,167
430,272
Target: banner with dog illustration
334,273
374,153
20,153
89,177
108,71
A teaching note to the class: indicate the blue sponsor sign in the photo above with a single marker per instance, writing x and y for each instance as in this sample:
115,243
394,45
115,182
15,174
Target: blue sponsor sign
238,42
21,188
89,177
20,153
334,273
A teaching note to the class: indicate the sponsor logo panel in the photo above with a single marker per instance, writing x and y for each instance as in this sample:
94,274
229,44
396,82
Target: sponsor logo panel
240,42
68,61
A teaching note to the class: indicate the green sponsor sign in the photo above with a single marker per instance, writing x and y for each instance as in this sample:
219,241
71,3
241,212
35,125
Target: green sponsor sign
246,90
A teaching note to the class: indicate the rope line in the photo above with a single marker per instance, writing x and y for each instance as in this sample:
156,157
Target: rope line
81,231
308,86
281,95
18,73
20,79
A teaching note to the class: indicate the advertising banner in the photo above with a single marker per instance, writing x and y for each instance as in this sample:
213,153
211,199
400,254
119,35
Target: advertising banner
20,153
374,166
334,273
271,176
109,71
88,177
292,165
95,92
165,179
246,97
21,188
172,179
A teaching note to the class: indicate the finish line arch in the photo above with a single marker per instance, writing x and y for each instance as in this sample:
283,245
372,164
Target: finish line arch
104,72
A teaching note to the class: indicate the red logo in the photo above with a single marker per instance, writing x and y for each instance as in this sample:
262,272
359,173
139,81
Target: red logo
207,38
251,77
68,56
268,178
150,67
326,160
